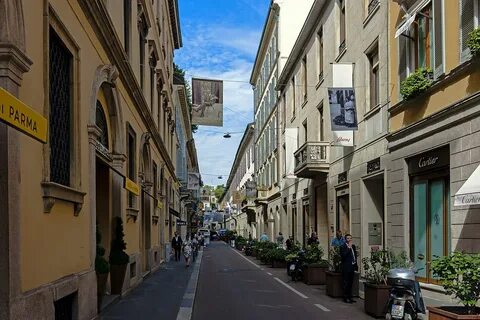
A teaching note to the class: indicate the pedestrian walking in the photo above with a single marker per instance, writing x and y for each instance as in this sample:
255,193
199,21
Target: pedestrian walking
264,237
187,252
194,247
280,240
348,252
177,245
338,240
250,236
289,243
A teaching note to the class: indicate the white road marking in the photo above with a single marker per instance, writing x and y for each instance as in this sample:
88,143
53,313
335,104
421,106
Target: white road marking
269,273
292,289
256,265
318,305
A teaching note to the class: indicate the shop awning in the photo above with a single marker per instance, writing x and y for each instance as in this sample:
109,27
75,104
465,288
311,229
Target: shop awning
469,193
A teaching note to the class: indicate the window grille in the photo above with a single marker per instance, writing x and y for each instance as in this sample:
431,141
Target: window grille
60,110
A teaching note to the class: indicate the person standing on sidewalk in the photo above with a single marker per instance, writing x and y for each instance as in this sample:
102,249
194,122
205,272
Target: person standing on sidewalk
280,240
348,251
187,252
177,245
339,240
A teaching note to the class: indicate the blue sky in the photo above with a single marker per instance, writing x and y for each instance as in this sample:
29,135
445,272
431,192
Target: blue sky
220,41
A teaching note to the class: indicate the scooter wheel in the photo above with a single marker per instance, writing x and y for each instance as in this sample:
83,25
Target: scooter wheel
388,316
406,316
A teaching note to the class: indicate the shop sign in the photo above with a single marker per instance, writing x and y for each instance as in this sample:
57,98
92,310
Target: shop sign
159,204
132,186
429,160
181,223
373,165
23,118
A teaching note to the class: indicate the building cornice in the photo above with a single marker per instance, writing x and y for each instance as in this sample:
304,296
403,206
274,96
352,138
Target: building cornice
175,23
97,13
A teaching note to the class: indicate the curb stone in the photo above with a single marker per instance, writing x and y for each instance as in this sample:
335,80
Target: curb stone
186,307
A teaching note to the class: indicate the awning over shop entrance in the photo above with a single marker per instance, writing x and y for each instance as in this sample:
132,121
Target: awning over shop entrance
469,193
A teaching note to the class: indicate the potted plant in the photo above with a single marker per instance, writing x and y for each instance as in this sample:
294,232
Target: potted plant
375,269
118,258
333,277
101,269
459,274
473,42
278,258
315,266
416,83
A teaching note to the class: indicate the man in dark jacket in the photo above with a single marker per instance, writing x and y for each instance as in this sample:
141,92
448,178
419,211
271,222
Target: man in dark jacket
348,251
177,246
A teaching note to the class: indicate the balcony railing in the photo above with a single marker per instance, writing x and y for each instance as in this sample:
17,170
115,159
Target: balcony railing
312,159
372,5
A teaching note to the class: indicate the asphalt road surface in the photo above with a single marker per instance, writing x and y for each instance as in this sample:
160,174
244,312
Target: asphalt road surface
232,286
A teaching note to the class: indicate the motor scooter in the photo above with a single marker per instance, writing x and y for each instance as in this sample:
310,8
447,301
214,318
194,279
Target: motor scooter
248,248
406,300
297,266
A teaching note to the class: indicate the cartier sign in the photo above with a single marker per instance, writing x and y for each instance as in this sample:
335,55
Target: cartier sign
429,160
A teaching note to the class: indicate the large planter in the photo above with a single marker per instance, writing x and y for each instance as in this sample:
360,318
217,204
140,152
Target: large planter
101,288
279,264
376,299
117,276
446,313
315,274
335,284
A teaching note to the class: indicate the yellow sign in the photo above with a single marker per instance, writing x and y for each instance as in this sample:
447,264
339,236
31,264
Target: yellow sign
159,204
132,186
17,114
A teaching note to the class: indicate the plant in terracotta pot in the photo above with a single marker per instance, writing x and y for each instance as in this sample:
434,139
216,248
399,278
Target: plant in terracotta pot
377,291
315,266
459,274
278,257
102,268
118,258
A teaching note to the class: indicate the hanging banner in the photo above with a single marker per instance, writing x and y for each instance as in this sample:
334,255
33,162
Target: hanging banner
132,186
291,145
159,204
343,113
342,76
342,138
251,189
207,102
193,181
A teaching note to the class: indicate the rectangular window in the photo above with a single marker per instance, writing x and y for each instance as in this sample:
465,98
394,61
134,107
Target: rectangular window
284,158
152,63
374,77
305,131
342,26
293,98
127,16
284,112
142,37
423,28
321,127
305,78
320,54
155,180
131,168
61,89
470,20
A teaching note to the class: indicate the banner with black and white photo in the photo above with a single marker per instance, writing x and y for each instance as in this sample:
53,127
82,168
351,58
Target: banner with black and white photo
207,102
193,182
343,111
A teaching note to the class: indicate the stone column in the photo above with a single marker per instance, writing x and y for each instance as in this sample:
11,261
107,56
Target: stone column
13,64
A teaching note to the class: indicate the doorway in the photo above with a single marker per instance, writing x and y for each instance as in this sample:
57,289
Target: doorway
104,219
429,218
305,222
294,222
146,227
343,211
373,214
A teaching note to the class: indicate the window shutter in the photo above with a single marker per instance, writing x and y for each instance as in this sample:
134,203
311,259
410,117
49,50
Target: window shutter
438,37
402,59
467,26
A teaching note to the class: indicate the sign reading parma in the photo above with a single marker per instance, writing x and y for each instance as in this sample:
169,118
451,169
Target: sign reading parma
20,116
207,102
343,112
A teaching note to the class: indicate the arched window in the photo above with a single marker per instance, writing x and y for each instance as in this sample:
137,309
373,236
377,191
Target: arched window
101,122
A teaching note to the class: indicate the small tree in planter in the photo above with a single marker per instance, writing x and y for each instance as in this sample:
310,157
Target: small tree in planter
278,257
118,258
101,269
316,267
416,83
473,42
459,275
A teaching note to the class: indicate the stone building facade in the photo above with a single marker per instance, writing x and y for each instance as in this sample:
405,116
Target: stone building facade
101,74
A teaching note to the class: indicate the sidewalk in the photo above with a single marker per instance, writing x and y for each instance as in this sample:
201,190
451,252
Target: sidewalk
159,296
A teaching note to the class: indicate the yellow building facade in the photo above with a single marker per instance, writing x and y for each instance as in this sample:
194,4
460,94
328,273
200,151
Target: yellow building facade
434,135
101,74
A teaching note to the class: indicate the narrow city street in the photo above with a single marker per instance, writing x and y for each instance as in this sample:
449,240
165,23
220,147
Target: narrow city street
234,286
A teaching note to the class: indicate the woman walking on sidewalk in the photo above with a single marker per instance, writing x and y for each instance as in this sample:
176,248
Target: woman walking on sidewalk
187,252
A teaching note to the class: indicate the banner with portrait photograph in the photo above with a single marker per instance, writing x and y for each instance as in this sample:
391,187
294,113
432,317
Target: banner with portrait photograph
343,111
193,182
207,102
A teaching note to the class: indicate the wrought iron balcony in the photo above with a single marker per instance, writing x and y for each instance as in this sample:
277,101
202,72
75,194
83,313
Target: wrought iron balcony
312,159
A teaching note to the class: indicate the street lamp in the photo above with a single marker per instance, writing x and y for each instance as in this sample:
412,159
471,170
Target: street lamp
227,135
